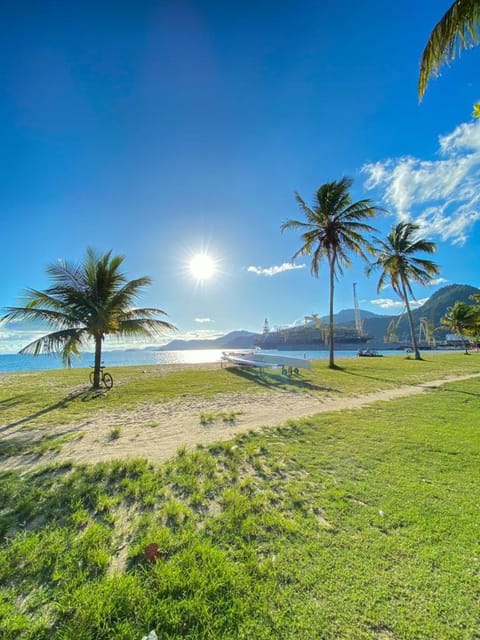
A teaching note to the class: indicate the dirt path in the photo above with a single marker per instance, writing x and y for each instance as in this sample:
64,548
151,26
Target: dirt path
156,431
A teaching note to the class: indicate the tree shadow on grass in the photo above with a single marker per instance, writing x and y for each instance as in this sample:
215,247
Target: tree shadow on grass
85,395
44,443
276,380
8,403
449,390
362,375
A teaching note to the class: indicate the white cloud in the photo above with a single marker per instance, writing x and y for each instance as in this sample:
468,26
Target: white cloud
197,334
442,195
390,303
203,320
272,271
437,281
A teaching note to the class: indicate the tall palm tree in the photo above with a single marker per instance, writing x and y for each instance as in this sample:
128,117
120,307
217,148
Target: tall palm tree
87,301
456,31
396,257
461,319
333,228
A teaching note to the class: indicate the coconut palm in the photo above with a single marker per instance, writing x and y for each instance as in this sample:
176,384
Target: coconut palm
333,228
461,319
456,30
396,257
87,301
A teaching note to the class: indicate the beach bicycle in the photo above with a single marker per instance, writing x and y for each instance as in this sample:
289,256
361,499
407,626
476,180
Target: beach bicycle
105,378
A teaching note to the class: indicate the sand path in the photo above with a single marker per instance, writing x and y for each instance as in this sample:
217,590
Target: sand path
157,431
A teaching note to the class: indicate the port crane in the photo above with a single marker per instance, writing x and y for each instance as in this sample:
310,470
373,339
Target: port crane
392,329
356,311
313,318
426,332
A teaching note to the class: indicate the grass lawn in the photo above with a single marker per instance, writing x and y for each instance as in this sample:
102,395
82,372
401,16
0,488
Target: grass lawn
357,524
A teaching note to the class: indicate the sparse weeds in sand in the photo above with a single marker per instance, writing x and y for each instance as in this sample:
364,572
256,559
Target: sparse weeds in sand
206,418
115,433
151,424
227,417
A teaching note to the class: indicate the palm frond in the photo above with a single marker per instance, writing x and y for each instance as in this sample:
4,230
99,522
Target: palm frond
49,316
396,258
294,224
456,30
309,213
65,342
124,297
146,327
134,314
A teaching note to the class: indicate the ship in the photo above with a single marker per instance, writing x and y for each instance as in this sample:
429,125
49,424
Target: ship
313,335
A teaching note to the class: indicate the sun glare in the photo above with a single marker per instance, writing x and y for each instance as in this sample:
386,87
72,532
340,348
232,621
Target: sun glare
202,266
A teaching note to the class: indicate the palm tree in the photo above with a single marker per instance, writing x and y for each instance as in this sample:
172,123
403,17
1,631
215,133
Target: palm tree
87,301
333,228
461,319
456,31
395,256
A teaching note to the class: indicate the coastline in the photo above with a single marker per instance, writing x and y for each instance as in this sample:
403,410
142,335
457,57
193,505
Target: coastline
16,363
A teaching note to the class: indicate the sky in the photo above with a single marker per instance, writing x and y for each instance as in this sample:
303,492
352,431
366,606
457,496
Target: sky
164,130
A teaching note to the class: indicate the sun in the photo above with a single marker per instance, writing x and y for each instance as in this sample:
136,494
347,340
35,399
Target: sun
202,266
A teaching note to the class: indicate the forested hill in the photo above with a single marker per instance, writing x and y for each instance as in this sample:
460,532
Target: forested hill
435,307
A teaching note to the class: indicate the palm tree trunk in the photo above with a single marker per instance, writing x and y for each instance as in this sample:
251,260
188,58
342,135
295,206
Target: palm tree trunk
416,352
331,359
98,362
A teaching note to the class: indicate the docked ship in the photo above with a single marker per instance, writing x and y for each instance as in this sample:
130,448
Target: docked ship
311,336
314,335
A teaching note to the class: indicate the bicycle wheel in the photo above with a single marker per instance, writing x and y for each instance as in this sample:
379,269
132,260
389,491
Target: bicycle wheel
107,380
91,377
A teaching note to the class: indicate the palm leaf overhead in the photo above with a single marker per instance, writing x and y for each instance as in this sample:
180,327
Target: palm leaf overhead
399,265
456,31
88,301
334,227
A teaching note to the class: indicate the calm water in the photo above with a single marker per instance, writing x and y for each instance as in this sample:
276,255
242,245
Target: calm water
15,362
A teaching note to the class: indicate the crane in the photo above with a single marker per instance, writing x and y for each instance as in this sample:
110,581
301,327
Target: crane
392,330
318,325
313,318
426,331
356,311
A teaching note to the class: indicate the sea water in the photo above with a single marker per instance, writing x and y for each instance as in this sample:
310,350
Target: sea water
120,358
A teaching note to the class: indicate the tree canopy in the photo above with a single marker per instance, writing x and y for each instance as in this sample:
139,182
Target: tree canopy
87,301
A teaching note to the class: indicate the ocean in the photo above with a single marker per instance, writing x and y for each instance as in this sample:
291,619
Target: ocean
119,358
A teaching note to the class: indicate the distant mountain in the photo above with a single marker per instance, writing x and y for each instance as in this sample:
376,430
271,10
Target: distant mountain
437,305
347,316
232,340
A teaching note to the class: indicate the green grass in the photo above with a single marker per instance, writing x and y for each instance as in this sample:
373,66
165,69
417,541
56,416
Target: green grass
359,525
63,396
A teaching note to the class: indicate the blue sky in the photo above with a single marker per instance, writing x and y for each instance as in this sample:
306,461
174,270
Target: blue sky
164,129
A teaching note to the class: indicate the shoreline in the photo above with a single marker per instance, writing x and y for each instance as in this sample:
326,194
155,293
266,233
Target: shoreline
126,358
